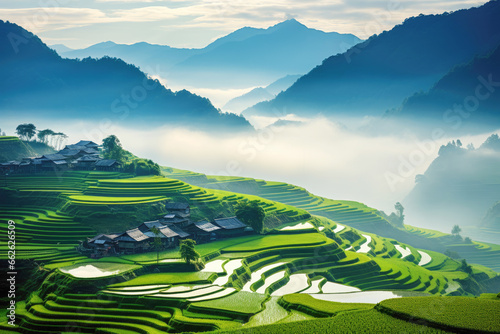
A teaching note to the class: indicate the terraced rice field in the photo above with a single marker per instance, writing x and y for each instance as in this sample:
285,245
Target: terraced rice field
482,253
405,251
244,277
211,299
97,269
296,283
425,258
342,213
300,226
462,314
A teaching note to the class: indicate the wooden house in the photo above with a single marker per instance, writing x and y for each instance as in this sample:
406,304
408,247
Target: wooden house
73,154
180,232
107,165
53,162
133,241
230,227
86,162
87,144
104,244
203,231
174,219
181,209
170,235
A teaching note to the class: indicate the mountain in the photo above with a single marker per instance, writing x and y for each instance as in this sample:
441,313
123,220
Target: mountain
381,72
245,58
151,58
60,48
37,80
492,217
473,87
259,94
288,47
459,187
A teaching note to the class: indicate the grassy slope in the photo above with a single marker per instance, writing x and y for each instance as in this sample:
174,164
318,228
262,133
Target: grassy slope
11,148
451,312
369,321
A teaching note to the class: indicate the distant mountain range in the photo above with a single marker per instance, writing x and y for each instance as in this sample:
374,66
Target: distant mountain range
245,58
468,93
378,74
259,94
37,81
461,186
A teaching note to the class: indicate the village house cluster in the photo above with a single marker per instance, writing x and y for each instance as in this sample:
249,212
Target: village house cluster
83,155
173,227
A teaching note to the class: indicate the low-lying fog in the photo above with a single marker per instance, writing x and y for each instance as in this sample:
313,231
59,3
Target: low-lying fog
319,155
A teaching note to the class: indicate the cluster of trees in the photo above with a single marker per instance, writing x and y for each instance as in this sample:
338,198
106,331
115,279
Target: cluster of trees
456,230
396,218
141,167
112,149
251,214
49,137
27,131
492,143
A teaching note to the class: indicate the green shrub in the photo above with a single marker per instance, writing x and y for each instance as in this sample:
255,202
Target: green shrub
142,167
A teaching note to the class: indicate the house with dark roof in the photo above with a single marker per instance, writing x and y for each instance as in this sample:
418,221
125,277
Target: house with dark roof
103,245
86,162
180,232
230,227
54,162
69,153
203,231
133,241
170,234
10,166
181,209
108,165
87,144
174,219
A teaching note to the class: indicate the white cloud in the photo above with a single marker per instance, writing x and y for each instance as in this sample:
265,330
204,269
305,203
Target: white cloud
52,18
361,17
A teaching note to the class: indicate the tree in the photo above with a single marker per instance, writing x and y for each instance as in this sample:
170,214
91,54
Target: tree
43,135
157,243
112,148
251,214
26,130
456,230
187,251
465,267
59,139
452,254
400,213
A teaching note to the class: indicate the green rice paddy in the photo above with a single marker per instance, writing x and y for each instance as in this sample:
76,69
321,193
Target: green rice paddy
134,294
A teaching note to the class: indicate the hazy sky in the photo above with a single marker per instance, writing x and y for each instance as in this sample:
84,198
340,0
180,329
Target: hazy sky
196,23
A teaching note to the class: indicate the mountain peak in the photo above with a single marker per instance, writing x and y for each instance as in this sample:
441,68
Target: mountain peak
107,44
289,24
